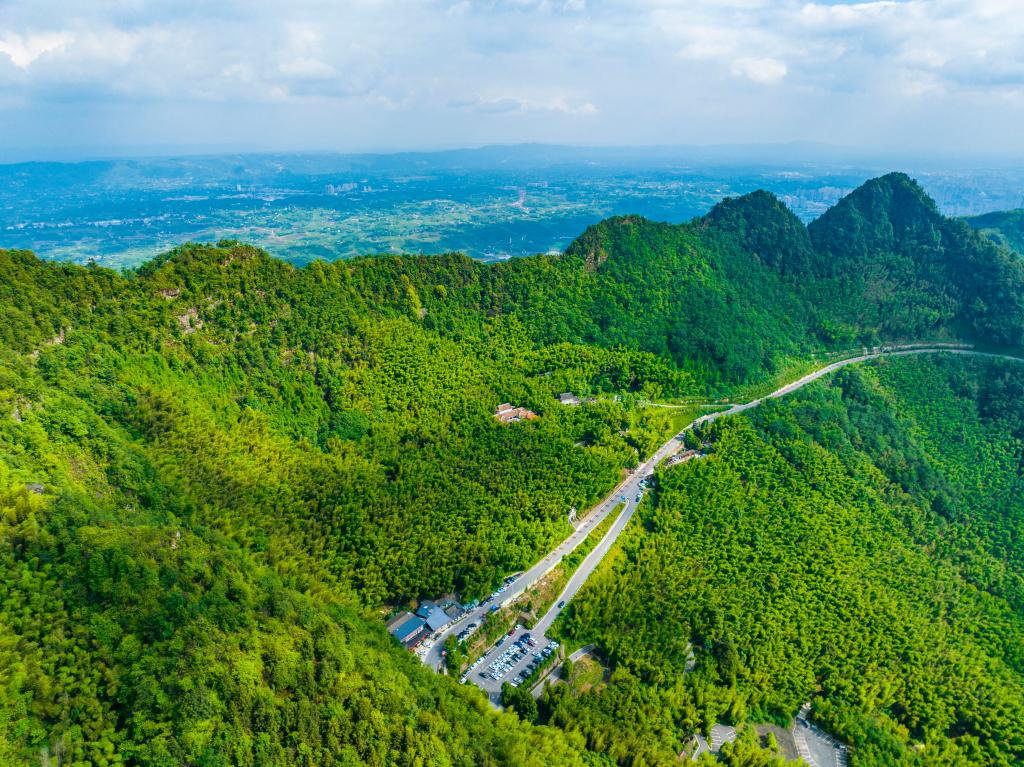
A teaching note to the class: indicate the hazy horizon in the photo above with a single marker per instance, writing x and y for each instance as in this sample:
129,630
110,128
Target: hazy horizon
741,153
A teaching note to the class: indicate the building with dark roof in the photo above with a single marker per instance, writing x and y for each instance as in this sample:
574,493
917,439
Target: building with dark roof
408,629
434,616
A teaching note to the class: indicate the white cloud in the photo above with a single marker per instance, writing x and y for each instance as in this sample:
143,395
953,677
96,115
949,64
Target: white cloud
23,50
307,68
765,71
638,70
847,16
506,104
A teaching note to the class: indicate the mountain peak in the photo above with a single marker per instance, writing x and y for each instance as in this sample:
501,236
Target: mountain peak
766,228
888,214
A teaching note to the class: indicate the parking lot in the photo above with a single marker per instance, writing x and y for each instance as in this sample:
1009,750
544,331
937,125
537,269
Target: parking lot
817,747
513,658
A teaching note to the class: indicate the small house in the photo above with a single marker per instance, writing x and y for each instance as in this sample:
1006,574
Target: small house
506,413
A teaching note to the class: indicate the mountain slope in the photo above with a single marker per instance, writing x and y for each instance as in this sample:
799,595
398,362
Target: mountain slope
1005,228
856,545
130,634
896,264
324,440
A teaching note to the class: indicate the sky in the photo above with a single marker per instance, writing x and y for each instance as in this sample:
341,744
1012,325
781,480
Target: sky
100,77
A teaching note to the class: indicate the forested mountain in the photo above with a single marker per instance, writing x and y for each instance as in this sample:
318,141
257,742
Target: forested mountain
218,469
897,264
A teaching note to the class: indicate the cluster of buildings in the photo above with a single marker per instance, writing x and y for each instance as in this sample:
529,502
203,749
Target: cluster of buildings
412,628
506,413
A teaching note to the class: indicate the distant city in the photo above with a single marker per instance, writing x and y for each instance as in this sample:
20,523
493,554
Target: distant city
491,203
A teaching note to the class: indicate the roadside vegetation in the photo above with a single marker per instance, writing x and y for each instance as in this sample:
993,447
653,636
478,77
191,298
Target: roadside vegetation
536,602
527,607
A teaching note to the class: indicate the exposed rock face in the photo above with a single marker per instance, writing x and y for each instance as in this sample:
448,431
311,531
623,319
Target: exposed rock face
189,321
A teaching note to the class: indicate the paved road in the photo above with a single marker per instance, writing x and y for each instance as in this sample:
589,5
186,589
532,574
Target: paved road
821,372
629,489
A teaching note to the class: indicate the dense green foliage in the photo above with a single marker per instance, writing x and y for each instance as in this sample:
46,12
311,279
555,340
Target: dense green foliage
301,412
856,544
745,751
1003,227
888,260
215,469
289,439
128,636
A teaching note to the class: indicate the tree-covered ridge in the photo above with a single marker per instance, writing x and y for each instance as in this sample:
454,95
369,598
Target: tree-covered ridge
318,449
303,410
1005,228
888,260
734,293
855,545
381,374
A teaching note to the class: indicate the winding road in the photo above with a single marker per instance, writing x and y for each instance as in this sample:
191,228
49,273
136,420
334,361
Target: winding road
627,491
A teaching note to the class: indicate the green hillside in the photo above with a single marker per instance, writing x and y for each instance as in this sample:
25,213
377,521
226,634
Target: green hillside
1003,227
856,545
896,264
324,441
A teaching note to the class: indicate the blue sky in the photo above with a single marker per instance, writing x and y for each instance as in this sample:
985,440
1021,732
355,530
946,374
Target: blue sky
122,76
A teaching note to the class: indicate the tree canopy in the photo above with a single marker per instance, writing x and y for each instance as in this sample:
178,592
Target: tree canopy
218,472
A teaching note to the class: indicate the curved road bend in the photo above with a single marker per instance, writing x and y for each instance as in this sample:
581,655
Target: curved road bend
630,488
